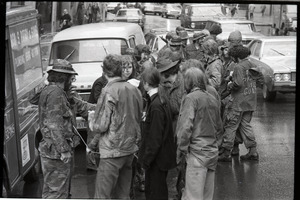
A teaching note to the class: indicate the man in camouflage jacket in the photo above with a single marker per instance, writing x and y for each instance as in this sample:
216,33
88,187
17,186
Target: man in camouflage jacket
56,124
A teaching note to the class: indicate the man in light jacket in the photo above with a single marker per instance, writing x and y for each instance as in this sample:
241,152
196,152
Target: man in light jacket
117,123
198,125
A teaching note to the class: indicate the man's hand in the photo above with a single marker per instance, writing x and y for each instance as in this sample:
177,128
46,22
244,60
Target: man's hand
66,157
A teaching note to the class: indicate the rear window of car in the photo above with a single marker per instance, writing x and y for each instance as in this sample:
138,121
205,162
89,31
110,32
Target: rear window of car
279,48
243,27
205,10
90,50
128,13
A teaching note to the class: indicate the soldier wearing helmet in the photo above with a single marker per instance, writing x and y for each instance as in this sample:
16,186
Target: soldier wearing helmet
195,50
57,121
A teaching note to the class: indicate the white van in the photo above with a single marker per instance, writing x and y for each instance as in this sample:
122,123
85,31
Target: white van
86,46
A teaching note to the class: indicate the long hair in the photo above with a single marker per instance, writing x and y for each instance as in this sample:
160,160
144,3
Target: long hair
128,60
194,78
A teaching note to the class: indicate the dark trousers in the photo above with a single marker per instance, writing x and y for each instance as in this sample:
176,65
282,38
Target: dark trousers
156,183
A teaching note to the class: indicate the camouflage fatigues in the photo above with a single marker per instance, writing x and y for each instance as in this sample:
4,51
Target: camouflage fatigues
56,125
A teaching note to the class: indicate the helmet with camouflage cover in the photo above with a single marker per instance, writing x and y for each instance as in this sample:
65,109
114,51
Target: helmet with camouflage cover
62,66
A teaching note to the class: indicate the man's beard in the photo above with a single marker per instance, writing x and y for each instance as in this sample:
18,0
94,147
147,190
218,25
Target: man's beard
67,86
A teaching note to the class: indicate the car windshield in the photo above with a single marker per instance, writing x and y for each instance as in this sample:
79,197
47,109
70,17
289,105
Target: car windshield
122,13
91,50
206,10
243,28
279,48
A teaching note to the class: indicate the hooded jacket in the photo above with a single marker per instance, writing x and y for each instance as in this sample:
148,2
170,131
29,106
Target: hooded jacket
245,76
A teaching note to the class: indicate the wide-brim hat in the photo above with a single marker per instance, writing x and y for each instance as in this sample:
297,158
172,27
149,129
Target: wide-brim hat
176,41
183,35
164,64
167,60
199,35
62,66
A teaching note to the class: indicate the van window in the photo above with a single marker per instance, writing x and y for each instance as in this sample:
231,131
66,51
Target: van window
132,42
79,51
257,49
26,57
8,88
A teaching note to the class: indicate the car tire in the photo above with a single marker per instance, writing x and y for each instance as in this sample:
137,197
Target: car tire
167,16
267,94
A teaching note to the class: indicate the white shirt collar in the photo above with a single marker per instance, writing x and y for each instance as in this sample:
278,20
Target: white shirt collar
152,91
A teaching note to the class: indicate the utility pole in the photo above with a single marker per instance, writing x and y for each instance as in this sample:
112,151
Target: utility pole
54,16
103,7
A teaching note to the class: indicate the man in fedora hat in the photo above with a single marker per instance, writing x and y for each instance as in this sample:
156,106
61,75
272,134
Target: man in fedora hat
194,50
56,124
184,40
169,36
171,80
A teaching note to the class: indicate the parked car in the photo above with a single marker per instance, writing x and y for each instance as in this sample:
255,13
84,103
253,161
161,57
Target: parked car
86,46
132,15
154,8
276,57
170,9
246,27
195,16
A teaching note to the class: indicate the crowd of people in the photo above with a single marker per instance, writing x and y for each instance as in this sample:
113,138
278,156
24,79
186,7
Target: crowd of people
186,110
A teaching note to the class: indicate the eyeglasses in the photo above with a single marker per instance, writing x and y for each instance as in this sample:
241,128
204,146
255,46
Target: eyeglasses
73,79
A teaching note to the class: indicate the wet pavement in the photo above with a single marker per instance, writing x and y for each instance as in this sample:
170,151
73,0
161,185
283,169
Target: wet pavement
272,177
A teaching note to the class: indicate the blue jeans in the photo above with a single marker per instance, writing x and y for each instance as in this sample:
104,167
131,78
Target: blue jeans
199,181
114,178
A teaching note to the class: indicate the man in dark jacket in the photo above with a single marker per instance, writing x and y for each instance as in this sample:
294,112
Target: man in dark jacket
65,21
158,149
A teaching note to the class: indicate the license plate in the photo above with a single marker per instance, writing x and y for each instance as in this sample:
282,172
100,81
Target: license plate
81,125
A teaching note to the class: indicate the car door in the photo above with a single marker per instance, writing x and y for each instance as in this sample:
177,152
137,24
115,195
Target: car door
256,48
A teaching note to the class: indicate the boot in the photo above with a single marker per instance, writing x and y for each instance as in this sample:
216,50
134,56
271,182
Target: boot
225,156
235,151
251,155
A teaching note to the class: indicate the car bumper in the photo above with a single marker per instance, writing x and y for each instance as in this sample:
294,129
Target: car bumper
285,87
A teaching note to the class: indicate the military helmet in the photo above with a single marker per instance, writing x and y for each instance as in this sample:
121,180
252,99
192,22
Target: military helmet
62,66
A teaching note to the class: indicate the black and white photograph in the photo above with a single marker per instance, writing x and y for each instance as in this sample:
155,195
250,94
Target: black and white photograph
150,100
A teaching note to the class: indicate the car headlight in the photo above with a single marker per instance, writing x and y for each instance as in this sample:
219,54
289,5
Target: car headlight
277,77
282,77
192,25
286,77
